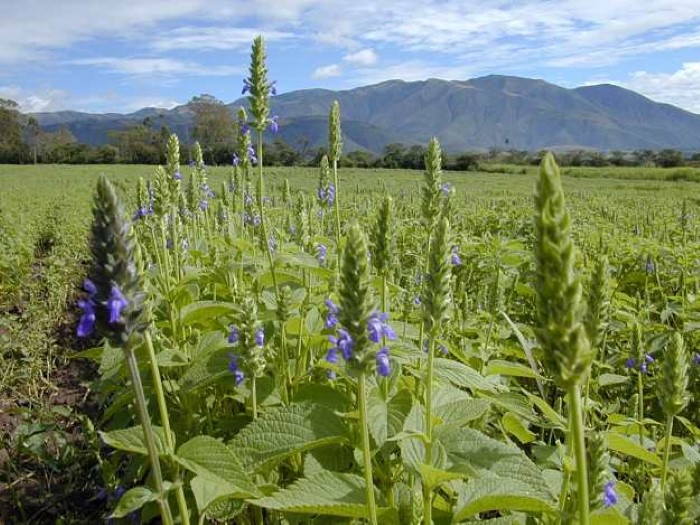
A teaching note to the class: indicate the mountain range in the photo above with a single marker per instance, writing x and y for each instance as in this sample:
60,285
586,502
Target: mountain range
477,114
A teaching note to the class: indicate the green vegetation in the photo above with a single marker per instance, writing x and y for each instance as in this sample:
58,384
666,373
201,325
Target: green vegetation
264,346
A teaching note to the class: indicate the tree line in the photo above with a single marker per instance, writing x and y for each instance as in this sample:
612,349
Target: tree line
23,141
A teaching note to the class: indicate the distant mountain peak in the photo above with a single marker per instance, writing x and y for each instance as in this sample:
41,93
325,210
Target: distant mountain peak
477,114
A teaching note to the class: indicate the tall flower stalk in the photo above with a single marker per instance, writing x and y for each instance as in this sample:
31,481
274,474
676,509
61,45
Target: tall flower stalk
436,299
114,307
674,392
335,148
260,90
561,331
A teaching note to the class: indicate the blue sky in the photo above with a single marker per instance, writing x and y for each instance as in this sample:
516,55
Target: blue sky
122,55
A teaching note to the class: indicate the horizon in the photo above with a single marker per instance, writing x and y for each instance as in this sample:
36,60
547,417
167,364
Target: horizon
118,58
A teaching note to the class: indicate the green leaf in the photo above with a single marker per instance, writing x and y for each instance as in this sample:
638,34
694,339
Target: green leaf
209,363
330,493
461,375
624,445
475,454
386,418
552,415
498,493
611,379
211,459
208,491
286,431
202,312
456,407
131,440
513,425
133,499
508,368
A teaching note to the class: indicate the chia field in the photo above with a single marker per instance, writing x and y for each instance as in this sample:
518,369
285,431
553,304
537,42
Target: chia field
270,423
253,345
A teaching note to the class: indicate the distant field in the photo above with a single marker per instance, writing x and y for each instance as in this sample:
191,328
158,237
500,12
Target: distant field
609,172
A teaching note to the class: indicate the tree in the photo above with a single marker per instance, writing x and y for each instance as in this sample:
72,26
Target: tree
213,126
33,131
669,158
12,147
393,155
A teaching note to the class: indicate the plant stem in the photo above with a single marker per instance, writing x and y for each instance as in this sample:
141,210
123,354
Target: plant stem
667,450
254,388
148,435
579,448
427,490
366,451
165,421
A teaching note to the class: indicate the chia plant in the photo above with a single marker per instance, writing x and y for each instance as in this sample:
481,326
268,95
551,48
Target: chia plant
560,328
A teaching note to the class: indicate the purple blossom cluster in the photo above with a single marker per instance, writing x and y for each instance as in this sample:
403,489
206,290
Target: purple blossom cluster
326,196
343,344
234,366
631,363
321,253
115,304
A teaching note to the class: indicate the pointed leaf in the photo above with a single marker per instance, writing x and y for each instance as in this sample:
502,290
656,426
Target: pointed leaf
132,500
286,431
330,493
131,440
211,459
461,375
202,312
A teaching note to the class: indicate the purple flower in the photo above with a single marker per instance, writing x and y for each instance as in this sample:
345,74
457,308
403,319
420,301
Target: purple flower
87,321
648,358
235,369
245,128
330,198
445,188
332,317
273,88
247,200
455,258
192,163
378,327
90,288
630,363
322,252
321,194
649,267
203,204
116,303
169,244
417,301
343,343
609,494
383,366
234,336
251,155
260,337
177,175
247,87
141,212
256,220
696,359
274,126
332,355
644,368
236,160
442,349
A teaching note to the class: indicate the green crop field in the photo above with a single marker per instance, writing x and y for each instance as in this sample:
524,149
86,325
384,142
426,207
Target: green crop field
263,346
637,258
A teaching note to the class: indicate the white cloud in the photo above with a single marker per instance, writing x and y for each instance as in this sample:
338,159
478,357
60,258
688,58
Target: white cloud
332,70
213,38
681,87
364,57
155,66
36,101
